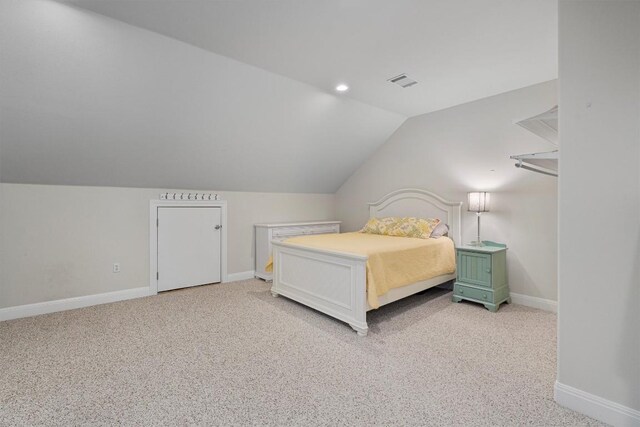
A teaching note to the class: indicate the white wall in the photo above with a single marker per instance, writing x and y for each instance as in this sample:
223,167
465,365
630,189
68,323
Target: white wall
451,152
88,100
599,216
61,241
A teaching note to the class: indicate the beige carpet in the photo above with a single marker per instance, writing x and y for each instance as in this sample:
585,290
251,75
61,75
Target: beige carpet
233,355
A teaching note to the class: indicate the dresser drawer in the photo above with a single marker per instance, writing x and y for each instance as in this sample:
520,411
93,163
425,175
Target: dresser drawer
474,268
288,231
484,295
284,232
324,229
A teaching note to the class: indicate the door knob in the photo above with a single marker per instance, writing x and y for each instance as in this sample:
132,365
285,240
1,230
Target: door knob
218,227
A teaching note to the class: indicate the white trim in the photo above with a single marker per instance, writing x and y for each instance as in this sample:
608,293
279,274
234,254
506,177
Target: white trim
243,275
46,307
597,407
153,236
535,302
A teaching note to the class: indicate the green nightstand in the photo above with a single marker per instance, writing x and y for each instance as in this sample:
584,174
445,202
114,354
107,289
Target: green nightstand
482,275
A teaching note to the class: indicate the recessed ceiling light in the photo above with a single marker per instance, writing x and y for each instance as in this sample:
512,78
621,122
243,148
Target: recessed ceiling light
342,87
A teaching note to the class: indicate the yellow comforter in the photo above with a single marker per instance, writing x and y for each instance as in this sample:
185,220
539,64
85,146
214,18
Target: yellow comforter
393,261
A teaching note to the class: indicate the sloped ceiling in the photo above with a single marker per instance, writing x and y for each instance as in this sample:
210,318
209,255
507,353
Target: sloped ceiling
458,50
88,100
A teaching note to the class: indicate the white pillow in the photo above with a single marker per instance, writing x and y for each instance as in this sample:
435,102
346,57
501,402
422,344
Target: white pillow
440,230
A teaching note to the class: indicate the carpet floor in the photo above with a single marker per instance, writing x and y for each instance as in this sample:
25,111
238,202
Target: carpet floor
232,354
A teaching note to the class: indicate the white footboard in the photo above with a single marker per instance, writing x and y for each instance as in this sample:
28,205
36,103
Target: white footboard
331,282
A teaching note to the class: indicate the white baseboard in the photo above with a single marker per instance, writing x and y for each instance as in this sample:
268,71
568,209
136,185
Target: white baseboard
29,310
243,275
535,302
46,307
596,407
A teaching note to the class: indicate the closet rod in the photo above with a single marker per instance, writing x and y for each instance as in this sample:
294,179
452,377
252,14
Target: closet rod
533,169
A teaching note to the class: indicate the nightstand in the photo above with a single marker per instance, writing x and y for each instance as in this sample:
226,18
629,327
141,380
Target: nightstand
481,275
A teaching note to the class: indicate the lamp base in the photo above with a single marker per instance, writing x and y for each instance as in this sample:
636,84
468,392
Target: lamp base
477,243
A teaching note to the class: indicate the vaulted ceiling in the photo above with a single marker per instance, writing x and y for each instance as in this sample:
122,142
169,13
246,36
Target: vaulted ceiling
87,100
238,95
457,50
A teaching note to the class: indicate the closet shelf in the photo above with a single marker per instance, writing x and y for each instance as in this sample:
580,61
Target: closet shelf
544,125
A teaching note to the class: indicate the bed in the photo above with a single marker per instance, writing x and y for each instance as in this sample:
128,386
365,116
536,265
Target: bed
334,282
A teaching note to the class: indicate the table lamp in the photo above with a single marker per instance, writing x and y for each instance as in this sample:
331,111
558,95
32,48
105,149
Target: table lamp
478,203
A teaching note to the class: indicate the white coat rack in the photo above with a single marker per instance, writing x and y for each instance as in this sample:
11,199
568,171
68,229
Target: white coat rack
189,196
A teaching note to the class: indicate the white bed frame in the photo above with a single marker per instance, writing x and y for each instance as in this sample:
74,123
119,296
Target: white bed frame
335,282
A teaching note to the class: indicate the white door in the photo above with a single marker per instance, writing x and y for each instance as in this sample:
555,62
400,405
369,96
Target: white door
188,246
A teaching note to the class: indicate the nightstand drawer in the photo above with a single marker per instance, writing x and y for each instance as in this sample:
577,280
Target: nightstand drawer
473,293
474,268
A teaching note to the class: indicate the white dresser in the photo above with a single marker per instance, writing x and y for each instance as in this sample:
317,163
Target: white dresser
265,233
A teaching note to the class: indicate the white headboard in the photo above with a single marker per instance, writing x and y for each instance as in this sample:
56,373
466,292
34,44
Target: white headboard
421,204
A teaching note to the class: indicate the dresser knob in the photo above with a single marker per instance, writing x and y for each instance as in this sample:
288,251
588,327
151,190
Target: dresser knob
484,296
461,291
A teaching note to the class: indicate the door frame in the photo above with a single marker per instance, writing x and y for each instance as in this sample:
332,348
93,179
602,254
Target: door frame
153,235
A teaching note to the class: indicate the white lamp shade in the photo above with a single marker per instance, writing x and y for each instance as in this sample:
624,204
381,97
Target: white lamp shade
479,201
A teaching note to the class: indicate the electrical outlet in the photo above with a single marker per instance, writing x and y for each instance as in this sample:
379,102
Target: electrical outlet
116,267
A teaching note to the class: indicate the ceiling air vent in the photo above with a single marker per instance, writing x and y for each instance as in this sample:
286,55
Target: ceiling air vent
403,81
